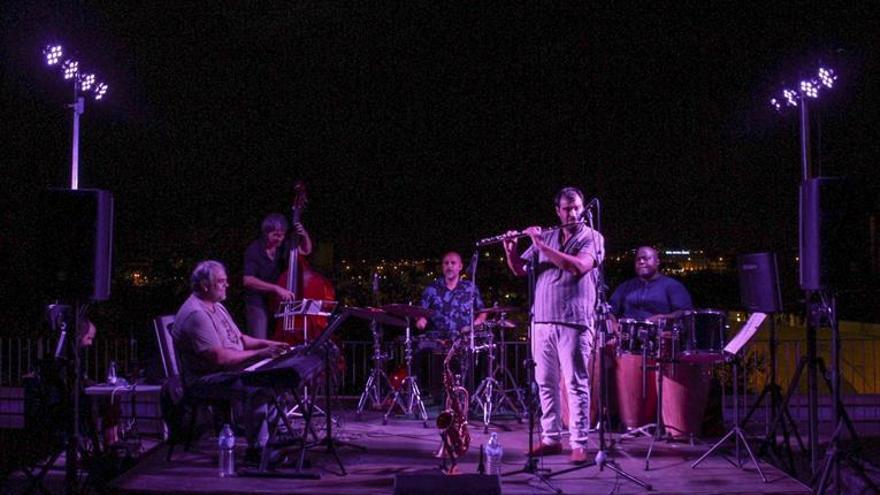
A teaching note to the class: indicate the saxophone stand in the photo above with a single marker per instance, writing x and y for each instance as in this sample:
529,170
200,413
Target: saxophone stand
408,387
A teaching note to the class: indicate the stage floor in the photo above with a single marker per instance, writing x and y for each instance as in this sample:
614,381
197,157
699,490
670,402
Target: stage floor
404,446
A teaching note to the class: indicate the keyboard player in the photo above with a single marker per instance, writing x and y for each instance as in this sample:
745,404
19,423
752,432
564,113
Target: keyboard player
213,351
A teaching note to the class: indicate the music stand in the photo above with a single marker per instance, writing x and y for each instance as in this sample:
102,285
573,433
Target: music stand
731,352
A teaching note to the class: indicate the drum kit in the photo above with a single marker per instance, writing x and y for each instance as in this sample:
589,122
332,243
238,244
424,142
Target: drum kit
677,354
399,391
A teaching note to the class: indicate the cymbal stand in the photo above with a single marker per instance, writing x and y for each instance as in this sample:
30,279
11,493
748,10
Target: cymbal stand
377,380
736,431
408,388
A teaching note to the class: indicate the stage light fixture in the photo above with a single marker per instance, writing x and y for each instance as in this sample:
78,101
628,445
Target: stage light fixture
809,89
775,104
82,83
827,76
53,54
791,97
86,82
100,90
71,68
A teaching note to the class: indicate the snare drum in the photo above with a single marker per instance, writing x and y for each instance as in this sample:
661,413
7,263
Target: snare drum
702,335
636,337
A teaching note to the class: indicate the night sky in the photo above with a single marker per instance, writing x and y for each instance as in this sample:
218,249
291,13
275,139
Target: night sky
421,126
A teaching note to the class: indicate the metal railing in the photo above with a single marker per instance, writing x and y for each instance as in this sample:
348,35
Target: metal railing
860,366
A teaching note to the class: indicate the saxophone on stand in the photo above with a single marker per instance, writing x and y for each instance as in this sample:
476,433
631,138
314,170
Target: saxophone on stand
452,422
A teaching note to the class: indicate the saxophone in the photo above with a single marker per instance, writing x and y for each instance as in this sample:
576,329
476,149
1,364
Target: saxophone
453,420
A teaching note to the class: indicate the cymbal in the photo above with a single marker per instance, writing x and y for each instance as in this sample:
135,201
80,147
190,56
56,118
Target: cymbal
408,311
505,323
498,309
376,314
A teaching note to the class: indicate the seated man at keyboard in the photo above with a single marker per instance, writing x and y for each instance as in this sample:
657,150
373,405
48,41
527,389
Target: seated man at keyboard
213,351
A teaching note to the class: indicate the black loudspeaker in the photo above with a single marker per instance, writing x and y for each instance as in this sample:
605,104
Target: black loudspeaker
77,239
759,283
832,234
441,484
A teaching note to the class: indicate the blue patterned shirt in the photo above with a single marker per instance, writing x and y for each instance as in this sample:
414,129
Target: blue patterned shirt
452,306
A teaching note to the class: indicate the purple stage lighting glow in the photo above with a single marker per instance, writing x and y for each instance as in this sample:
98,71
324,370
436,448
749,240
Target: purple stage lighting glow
100,90
827,76
53,54
71,67
809,89
87,81
790,97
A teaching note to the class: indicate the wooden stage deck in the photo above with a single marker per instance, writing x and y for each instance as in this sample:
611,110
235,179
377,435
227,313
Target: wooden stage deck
404,447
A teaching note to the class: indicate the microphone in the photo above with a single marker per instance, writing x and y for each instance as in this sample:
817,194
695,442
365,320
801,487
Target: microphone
592,204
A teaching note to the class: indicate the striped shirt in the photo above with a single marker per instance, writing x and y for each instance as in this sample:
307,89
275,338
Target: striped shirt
560,296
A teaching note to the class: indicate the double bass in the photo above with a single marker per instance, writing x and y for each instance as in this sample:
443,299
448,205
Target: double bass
303,281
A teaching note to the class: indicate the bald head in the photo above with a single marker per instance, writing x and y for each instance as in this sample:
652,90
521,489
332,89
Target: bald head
647,263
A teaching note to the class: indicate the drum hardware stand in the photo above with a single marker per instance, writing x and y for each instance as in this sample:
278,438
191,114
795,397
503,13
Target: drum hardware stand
377,377
603,458
410,385
490,394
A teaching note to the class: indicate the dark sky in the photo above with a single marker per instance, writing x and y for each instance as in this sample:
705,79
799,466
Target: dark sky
420,126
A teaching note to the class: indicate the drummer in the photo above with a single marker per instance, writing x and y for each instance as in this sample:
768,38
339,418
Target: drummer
650,295
450,297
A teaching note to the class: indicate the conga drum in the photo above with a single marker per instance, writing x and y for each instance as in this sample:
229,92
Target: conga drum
685,395
636,389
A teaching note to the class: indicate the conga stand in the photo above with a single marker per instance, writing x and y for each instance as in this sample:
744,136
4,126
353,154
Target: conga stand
733,353
645,429
408,387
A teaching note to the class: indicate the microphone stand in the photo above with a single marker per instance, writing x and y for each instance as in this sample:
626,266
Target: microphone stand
602,459
531,466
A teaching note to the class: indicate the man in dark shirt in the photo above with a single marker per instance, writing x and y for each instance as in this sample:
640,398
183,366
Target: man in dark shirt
650,296
264,261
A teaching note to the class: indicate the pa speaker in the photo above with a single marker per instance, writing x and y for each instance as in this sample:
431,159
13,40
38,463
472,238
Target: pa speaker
759,283
441,484
833,233
77,234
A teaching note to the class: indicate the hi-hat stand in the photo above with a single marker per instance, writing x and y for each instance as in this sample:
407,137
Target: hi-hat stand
377,379
490,395
408,397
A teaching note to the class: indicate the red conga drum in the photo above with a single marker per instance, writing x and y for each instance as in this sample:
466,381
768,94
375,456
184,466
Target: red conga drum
685,395
637,405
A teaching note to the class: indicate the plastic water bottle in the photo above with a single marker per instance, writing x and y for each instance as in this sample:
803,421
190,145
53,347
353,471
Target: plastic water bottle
226,443
494,452
111,373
